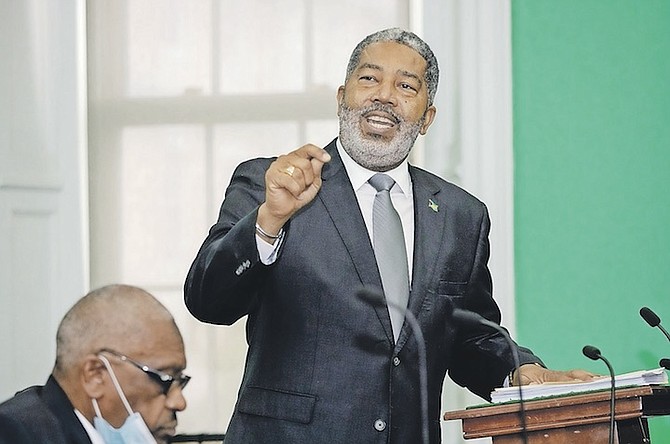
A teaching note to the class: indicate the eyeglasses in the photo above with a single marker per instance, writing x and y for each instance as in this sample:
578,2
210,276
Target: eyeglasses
161,378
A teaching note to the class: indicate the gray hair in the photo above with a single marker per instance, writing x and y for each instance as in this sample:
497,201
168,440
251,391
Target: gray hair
406,38
113,316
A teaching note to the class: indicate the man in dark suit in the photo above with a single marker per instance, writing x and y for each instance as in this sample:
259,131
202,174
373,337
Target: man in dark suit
293,247
117,378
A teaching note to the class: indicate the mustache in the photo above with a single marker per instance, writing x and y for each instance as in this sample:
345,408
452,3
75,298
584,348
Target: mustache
376,107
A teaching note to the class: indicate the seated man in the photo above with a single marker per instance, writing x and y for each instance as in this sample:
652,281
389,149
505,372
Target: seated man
117,378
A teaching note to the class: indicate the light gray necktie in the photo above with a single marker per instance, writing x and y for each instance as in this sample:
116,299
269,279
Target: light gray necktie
389,245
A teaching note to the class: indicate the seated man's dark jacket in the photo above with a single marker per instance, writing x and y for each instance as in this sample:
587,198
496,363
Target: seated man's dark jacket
41,414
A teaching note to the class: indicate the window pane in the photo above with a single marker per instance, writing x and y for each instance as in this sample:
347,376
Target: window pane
237,142
156,189
162,211
169,50
321,132
335,39
262,46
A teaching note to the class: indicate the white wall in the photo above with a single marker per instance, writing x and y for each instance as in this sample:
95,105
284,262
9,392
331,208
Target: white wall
43,217
470,141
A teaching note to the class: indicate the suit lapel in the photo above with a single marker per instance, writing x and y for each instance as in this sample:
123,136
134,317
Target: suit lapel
430,220
341,203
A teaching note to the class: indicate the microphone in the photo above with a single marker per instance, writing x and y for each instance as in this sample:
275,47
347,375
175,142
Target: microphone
468,317
377,299
665,363
653,320
593,353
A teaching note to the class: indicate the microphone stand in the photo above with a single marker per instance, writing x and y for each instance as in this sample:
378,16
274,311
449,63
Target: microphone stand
593,353
470,317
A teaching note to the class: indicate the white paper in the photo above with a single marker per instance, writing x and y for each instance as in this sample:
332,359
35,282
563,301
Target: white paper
638,378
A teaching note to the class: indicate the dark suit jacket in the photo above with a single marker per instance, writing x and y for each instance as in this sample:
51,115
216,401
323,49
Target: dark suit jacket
322,365
41,414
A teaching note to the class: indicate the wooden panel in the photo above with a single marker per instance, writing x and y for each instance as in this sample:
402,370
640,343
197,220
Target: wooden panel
584,434
567,418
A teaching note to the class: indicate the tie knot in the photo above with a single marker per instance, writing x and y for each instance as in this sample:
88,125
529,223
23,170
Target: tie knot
381,182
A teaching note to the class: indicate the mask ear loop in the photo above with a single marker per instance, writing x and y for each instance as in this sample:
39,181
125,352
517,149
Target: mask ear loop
98,413
117,386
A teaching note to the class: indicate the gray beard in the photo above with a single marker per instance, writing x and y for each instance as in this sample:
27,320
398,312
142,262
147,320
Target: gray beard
375,153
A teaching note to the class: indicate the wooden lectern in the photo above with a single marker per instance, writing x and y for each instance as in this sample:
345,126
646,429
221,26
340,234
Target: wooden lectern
571,419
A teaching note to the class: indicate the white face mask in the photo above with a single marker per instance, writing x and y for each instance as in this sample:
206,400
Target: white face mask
134,429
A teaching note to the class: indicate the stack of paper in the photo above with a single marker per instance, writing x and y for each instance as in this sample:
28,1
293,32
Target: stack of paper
643,377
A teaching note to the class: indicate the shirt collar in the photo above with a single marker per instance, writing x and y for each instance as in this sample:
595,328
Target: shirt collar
359,175
92,433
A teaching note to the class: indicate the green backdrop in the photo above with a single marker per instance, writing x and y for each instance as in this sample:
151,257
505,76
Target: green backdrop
592,180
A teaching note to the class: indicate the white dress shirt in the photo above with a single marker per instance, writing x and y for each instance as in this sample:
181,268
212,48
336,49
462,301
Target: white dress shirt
402,196
90,430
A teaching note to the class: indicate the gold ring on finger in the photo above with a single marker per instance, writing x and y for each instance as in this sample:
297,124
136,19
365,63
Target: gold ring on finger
289,170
